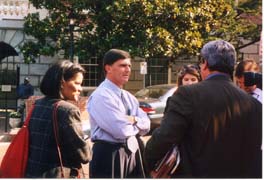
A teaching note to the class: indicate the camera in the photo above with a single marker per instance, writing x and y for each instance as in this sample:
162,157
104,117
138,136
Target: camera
252,78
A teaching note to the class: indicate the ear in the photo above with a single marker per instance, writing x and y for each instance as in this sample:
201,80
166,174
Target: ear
107,68
62,84
205,65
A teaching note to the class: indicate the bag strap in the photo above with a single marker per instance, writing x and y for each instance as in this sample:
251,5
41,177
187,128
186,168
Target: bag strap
55,129
29,116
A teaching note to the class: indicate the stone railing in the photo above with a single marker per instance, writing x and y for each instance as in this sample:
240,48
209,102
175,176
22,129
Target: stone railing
14,9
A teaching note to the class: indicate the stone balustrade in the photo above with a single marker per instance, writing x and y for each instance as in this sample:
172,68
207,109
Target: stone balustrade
14,9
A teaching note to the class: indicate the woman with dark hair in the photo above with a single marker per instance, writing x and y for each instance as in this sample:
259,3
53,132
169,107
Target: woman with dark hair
61,83
188,74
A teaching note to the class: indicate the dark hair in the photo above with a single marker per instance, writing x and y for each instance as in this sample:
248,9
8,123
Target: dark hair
246,65
58,72
220,56
113,55
188,69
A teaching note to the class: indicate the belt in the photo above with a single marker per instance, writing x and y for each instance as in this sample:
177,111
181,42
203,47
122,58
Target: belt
110,143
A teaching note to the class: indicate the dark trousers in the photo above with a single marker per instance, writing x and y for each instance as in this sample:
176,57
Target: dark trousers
114,160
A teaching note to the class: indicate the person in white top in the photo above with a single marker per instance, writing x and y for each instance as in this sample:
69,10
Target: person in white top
188,74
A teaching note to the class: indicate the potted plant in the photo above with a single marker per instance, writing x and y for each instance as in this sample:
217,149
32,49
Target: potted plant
15,119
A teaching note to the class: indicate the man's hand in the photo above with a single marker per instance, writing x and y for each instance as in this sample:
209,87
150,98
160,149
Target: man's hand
132,119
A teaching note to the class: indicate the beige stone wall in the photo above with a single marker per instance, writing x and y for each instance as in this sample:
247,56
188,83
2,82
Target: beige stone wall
252,51
136,79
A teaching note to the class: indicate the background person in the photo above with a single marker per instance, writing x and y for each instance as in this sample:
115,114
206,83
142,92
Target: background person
188,74
253,89
116,119
24,91
62,82
217,126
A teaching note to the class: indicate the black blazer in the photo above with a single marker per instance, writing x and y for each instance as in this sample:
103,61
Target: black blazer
218,128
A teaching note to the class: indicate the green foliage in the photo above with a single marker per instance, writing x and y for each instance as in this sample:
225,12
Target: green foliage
146,28
15,114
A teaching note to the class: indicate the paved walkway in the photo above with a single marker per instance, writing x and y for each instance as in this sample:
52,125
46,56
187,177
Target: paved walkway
3,148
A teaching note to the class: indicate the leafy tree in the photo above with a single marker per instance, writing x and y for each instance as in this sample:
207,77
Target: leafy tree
146,28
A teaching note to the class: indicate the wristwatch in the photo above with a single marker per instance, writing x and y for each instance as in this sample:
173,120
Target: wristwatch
135,120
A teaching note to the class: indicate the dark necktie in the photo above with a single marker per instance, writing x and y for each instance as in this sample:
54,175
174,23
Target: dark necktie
128,111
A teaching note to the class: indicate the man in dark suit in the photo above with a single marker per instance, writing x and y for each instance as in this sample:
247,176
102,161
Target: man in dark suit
217,126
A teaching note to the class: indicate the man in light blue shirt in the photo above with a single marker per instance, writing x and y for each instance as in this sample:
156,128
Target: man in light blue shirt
116,122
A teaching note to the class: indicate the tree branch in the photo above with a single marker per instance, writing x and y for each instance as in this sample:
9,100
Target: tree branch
245,45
